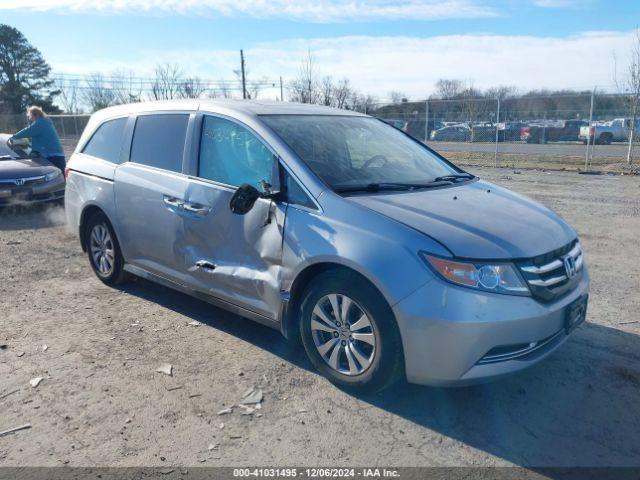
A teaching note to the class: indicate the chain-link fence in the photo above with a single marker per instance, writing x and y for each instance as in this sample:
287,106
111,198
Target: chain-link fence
575,132
67,126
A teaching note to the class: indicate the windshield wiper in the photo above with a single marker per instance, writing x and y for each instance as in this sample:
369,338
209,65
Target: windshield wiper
454,176
376,187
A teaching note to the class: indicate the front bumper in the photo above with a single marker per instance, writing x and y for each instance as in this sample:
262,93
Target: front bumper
36,193
446,330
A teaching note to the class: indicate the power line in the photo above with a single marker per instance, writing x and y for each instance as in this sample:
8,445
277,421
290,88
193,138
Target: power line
69,78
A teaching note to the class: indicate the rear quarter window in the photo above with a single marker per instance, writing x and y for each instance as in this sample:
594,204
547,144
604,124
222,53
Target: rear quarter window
158,140
106,142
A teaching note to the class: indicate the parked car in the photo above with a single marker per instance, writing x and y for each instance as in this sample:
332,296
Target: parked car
607,132
25,178
415,128
454,133
510,131
566,131
484,132
381,257
394,122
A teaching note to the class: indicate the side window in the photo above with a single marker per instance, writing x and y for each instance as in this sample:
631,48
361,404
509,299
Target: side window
158,140
231,154
295,194
106,142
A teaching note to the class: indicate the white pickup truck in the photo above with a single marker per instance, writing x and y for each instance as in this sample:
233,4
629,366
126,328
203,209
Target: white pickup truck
617,130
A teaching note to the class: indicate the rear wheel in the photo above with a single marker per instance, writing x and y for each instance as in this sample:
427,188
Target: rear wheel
349,332
104,252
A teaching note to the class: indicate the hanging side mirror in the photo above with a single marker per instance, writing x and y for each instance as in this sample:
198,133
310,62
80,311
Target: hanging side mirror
246,196
244,199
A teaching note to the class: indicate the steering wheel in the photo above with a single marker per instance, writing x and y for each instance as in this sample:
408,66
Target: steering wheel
384,159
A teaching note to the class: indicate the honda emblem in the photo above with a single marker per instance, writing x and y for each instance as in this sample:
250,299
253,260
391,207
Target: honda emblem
569,266
19,181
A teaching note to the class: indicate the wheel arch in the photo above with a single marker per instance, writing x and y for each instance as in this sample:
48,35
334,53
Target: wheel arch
605,138
87,212
290,319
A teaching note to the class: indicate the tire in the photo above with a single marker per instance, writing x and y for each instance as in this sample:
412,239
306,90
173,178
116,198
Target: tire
368,319
100,240
605,139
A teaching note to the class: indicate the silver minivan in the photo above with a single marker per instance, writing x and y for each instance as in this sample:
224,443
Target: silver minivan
382,258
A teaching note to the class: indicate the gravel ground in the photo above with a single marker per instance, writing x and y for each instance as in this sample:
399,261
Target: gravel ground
102,403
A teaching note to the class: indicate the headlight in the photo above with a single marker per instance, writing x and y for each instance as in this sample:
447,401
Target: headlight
50,176
490,277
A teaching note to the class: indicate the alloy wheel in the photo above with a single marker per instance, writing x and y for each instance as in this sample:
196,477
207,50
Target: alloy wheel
102,249
343,334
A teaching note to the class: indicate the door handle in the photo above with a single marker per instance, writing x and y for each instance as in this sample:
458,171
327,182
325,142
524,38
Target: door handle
205,266
172,201
196,208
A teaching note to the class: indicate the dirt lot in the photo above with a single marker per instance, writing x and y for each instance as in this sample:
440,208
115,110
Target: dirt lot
101,401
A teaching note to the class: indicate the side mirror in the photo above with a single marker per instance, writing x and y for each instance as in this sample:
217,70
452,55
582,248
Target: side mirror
244,198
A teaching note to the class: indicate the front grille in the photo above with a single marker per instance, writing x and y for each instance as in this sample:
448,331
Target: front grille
20,182
554,274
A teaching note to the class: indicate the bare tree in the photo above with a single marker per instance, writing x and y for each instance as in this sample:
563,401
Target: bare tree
69,95
166,85
191,87
327,91
304,88
501,91
629,86
224,90
449,88
364,103
342,93
126,88
252,87
97,94
398,97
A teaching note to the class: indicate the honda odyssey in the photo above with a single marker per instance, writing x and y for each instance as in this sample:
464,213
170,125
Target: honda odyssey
383,258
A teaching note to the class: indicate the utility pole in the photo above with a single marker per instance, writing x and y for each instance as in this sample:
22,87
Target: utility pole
495,155
244,80
426,120
586,155
281,90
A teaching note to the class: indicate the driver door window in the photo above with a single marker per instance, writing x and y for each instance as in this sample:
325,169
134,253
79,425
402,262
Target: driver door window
231,154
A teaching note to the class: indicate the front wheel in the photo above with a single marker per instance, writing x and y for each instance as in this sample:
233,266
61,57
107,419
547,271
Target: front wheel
349,332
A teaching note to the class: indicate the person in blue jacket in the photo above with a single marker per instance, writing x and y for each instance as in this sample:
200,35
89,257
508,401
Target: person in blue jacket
43,135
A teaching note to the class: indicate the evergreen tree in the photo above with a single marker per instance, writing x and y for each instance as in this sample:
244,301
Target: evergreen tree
24,74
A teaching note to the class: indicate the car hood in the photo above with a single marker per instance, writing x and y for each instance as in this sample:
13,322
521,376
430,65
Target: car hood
21,168
476,220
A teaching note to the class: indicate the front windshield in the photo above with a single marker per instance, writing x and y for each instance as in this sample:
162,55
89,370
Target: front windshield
349,151
16,150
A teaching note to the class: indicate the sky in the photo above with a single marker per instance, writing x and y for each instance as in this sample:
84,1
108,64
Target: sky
379,45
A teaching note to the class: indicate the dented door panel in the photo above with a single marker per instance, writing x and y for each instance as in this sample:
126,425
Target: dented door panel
237,258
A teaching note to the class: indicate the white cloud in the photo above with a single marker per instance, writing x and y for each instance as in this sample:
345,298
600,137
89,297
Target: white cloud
321,11
559,3
379,65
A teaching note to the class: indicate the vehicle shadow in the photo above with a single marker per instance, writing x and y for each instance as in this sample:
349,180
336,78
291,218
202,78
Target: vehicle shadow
579,407
30,217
